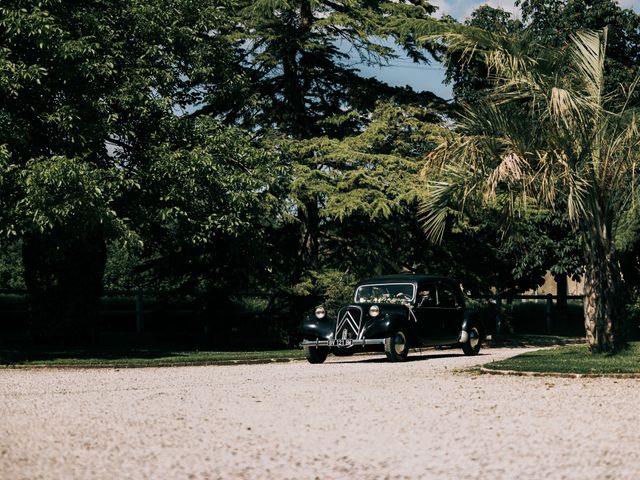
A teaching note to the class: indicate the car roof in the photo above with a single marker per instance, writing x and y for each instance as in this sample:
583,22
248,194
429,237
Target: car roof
407,277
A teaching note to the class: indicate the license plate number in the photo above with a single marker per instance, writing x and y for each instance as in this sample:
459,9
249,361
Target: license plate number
341,342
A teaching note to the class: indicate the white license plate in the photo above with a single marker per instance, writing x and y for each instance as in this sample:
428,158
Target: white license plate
341,342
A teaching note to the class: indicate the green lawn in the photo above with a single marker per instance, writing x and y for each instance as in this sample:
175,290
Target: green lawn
138,357
573,359
531,340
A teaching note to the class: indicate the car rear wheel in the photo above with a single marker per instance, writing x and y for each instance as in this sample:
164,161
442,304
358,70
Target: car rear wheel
396,347
473,343
316,354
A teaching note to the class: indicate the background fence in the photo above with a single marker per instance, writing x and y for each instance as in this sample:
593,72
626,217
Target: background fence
156,315
140,313
548,314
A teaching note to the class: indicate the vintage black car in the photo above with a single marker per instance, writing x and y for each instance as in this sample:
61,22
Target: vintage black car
395,313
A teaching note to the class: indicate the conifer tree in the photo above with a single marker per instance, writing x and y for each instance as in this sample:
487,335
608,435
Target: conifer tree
300,58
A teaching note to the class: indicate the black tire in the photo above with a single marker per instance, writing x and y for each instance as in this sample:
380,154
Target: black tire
396,347
316,354
474,342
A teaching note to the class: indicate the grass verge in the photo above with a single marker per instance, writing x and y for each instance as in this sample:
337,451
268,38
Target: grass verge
530,340
573,359
118,358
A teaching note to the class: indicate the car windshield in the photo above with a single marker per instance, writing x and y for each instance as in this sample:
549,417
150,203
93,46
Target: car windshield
385,293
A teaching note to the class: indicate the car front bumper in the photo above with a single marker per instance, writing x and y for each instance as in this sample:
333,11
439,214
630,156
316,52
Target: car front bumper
340,342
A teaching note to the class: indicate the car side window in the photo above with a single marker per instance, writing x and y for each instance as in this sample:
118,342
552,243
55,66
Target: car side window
446,297
427,296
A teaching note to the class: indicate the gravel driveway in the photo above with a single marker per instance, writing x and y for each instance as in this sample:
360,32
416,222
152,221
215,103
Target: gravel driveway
349,418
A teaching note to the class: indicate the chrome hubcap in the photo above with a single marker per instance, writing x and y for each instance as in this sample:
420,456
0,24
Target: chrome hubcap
474,337
400,342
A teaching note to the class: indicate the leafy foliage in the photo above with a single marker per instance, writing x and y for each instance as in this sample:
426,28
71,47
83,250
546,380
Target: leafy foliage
215,149
307,100
568,147
469,75
90,96
550,24
61,194
298,57
365,189
209,207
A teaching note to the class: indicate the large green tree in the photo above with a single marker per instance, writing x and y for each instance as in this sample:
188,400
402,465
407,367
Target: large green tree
307,98
546,134
208,208
550,23
88,92
301,59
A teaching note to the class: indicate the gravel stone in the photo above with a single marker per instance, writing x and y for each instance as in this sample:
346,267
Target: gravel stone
355,417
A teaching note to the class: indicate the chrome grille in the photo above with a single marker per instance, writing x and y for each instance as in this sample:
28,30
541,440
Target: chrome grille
349,323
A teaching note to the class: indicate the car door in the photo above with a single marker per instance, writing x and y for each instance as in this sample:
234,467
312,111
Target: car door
429,324
450,312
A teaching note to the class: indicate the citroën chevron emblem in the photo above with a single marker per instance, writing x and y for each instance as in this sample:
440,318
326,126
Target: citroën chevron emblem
348,322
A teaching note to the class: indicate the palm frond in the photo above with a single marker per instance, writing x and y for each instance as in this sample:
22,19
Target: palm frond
434,211
542,135
511,171
588,55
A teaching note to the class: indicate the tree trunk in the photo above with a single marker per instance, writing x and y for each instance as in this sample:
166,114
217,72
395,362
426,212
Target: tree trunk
64,284
604,304
307,256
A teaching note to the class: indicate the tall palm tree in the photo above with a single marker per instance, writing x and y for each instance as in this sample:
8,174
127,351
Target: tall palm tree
546,136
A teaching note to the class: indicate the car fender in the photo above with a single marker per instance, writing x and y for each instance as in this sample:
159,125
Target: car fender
314,328
388,323
471,319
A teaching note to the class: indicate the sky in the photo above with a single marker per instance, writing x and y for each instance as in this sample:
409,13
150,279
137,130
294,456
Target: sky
402,71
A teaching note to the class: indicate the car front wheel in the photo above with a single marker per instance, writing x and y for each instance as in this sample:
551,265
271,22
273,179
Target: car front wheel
396,347
472,345
316,354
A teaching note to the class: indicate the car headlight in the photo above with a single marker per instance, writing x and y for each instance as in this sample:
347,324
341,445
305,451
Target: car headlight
320,313
374,310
